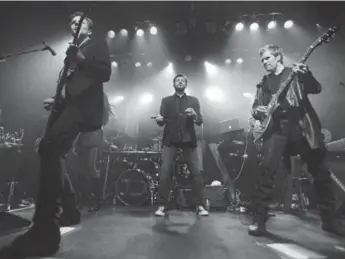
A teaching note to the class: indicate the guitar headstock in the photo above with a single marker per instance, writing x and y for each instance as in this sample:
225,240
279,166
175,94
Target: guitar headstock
328,35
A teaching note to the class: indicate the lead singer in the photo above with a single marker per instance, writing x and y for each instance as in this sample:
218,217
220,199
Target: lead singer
82,112
179,113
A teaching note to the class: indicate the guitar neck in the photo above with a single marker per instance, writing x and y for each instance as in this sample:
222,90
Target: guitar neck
290,77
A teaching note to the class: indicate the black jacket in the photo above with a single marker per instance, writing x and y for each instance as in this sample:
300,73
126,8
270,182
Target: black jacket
297,96
85,89
172,118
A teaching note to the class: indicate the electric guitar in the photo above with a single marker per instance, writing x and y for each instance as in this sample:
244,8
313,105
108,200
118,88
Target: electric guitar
266,123
58,98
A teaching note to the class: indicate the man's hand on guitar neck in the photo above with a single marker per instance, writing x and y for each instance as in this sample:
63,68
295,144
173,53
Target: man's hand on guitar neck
300,68
74,54
260,111
48,103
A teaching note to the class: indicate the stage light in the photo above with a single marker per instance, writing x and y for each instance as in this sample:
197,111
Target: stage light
153,30
170,68
288,24
239,61
114,64
124,32
239,26
214,94
249,96
111,34
188,58
210,69
137,64
149,64
272,25
116,99
227,61
254,26
140,33
146,98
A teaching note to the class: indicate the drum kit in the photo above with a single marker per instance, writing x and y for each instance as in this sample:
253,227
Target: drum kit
131,175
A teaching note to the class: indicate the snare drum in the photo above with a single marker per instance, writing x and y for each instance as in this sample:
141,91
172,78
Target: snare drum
134,187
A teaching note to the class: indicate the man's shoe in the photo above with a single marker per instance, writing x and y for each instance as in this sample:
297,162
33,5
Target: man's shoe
258,227
160,212
201,211
70,218
95,207
38,241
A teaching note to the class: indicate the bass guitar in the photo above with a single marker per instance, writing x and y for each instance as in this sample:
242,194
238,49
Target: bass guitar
266,122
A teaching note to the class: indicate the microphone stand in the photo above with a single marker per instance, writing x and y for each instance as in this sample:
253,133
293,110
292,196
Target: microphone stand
3,58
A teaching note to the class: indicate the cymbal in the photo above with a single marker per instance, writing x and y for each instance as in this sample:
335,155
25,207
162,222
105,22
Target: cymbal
157,139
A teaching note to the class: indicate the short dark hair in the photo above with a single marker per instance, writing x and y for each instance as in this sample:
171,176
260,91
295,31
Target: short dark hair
87,18
180,75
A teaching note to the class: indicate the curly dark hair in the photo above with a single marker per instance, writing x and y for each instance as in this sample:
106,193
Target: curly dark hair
87,18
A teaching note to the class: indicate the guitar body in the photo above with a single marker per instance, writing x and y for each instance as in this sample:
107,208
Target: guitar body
263,129
55,114
266,124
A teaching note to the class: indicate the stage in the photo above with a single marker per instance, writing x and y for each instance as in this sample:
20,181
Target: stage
134,233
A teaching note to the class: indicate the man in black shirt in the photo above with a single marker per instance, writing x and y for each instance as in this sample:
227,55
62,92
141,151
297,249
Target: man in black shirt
296,130
179,113
82,111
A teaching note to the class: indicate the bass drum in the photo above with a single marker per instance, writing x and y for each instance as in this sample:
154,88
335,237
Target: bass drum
133,187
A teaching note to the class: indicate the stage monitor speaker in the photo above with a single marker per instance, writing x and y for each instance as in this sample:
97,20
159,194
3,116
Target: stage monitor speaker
15,221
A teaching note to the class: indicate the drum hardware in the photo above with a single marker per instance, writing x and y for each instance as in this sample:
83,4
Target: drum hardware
107,161
9,140
180,170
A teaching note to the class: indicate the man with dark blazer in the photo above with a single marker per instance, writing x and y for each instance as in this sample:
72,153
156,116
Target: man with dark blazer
81,111
178,113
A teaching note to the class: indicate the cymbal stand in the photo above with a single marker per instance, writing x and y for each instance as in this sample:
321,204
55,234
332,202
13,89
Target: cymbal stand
104,195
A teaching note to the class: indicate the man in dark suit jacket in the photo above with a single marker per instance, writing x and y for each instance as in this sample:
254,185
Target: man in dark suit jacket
82,111
179,113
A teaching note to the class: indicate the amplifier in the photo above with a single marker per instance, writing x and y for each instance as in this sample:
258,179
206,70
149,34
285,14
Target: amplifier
216,198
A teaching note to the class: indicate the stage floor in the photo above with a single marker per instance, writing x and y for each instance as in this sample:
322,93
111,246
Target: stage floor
134,233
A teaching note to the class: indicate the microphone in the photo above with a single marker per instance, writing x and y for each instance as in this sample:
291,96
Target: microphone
47,47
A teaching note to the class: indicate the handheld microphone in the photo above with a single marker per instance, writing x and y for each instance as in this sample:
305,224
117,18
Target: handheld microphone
47,47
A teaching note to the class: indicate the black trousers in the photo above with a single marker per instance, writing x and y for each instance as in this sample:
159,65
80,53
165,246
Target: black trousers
61,131
288,140
167,171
